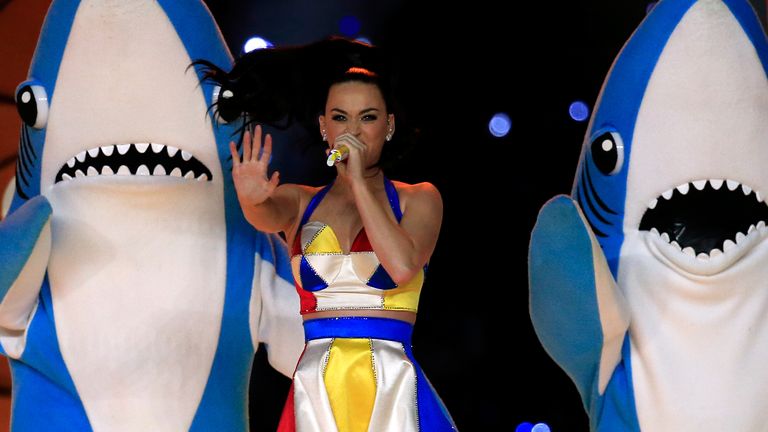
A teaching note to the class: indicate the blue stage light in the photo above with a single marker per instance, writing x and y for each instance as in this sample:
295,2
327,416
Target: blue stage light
500,125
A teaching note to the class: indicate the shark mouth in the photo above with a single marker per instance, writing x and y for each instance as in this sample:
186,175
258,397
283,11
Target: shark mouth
141,159
717,220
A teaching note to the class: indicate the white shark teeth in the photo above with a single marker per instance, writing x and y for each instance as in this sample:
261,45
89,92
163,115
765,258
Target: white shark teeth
699,184
746,189
142,170
667,194
740,237
714,253
684,188
665,237
92,162
732,184
728,245
676,245
716,183
654,231
761,225
689,251
652,203
758,196
703,256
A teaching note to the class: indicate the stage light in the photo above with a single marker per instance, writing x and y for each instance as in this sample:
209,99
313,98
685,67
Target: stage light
540,427
500,125
579,111
255,43
349,26
524,427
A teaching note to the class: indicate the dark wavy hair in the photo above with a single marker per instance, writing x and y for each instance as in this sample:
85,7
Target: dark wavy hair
280,86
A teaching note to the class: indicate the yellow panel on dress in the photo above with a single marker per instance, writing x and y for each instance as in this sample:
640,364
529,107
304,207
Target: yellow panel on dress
322,241
350,380
405,297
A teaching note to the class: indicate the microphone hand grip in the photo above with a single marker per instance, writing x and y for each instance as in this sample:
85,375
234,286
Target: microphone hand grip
337,155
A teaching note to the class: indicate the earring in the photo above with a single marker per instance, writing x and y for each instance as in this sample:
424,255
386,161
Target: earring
389,136
324,134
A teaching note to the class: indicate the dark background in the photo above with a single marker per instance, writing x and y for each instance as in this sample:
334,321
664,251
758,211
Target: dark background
465,62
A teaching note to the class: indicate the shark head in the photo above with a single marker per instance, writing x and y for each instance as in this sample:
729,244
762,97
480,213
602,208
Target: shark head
111,99
677,147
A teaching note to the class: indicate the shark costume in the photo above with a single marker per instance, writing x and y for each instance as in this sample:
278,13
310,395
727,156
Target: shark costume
648,285
133,292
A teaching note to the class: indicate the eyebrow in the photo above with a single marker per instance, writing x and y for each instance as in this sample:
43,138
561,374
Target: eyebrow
365,111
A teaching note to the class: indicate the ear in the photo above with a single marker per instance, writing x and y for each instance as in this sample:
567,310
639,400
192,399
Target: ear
323,130
390,125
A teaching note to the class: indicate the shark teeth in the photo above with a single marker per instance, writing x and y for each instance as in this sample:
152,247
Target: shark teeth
730,249
134,159
715,184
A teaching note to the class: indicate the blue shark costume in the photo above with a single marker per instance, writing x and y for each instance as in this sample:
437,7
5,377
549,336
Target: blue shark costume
133,293
648,284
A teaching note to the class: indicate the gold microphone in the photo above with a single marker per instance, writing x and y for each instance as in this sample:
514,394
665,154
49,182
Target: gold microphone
337,155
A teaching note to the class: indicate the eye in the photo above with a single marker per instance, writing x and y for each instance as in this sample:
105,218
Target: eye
608,152
338,117
32,104
225,106
370,117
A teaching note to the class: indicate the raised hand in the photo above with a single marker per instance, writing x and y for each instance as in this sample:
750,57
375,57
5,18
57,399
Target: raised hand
250,174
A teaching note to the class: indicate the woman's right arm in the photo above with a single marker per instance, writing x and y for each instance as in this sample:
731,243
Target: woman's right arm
267,206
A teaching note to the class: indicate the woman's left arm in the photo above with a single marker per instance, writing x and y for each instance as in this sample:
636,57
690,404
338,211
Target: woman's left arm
403,249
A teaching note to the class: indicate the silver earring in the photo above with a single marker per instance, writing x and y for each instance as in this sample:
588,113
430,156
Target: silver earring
324,134
389,136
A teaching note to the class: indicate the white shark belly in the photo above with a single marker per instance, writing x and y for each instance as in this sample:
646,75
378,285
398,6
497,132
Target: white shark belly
138,280
699,344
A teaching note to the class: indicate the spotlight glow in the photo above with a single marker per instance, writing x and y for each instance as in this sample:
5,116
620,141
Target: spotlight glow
579,111
255,43
500,125
349,26
540,427
524,427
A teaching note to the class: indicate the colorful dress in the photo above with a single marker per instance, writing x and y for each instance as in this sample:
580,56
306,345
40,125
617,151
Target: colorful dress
356,373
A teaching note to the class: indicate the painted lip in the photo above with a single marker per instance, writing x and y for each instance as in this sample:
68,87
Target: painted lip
134,159
706,226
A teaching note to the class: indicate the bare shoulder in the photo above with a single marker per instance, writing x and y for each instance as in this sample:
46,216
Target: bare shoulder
423,195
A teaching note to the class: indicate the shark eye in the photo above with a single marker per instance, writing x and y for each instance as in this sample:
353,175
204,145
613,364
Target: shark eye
608,152
32,104
224,103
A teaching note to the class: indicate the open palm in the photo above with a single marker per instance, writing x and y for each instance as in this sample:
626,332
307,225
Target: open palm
250,173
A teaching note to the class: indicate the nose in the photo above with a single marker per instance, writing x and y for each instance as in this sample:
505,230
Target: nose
353,128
